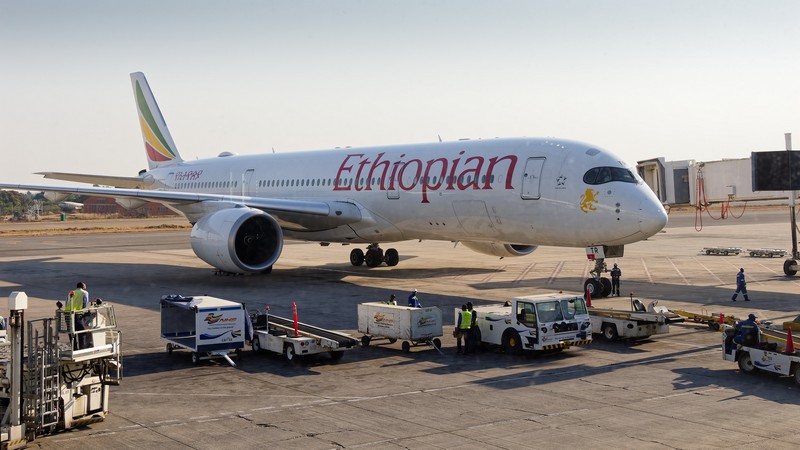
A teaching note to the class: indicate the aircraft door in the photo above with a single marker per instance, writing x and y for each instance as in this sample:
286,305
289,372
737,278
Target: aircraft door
247,177
531,179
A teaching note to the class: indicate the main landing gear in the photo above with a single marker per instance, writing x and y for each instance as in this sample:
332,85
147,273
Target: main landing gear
374,256
598,286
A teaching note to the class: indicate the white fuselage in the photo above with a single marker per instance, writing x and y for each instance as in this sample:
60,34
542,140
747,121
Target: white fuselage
517,191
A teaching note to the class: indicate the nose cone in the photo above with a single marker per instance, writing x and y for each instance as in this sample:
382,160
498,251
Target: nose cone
652,217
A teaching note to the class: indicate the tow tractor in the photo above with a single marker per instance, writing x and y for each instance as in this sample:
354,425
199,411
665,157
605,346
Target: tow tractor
293,339
639,323
60,376
758,354
533,323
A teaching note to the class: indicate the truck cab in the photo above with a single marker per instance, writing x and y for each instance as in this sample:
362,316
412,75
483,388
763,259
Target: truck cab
538,322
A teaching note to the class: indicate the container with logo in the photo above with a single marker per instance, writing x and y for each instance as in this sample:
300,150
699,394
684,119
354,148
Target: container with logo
415,326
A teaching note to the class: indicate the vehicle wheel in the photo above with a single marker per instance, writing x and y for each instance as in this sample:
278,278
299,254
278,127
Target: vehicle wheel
288,353
746,363
391,257
365,341
593,287
357,257
610,331
511,342
753,254
713,325
406,346
392,340
195,358
169,348
257,345
797,375
770,255
437,343
708,252
725,253
789,267
374,257
336,356
606,285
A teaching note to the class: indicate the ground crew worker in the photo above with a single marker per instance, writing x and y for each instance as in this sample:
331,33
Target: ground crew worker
615,274
78,299
747,331
741,286
462,328
392,300
413,301
472,340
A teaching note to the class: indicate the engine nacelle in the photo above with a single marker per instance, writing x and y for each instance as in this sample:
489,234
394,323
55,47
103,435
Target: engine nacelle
500,249
238,240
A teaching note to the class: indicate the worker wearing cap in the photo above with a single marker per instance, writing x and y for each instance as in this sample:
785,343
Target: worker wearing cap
747,331
413,301
616,273
463,326
741,286
392,300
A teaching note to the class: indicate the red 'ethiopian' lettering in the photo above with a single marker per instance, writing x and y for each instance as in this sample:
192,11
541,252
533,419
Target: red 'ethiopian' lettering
432,175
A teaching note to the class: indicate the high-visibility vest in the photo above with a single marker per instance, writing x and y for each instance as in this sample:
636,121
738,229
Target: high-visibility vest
466,320
74,301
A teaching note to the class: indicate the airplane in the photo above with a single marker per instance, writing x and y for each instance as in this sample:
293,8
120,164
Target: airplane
70,206
502,197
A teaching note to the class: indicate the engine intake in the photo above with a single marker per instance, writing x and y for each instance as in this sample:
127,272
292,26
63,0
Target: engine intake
238,240
500,249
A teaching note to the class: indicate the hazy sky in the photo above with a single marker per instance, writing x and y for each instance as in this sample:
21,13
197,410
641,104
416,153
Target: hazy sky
700,80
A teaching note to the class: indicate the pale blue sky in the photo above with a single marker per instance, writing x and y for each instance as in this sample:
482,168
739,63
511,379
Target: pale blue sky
701,80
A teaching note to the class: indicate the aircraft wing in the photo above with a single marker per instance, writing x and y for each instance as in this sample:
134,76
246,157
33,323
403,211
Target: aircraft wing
296,215
105,180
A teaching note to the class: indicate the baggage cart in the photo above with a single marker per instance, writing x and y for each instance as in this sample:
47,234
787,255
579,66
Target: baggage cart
415,326
724,251
208,327
766,252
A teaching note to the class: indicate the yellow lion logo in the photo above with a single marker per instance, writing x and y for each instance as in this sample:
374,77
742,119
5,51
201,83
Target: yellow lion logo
588,201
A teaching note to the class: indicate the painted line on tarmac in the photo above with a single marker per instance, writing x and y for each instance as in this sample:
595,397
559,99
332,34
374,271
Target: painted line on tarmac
647,272
686,393
685,281
555,272
708,270
524,273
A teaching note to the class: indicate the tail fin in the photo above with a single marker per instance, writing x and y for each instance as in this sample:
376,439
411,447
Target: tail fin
158,143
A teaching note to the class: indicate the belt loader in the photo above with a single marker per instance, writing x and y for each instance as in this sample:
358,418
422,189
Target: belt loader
277,335
57,373
536,322
639,323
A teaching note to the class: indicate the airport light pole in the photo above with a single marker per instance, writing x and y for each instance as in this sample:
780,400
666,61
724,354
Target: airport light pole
792,201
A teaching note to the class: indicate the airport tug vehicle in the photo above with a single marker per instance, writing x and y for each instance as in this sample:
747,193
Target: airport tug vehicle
57,373
757,354
534,323
639,323
295,339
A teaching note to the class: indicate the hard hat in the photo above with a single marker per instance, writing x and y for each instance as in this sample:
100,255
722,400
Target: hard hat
752,317
415,290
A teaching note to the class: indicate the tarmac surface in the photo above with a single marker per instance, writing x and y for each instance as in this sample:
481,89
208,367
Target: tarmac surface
671,391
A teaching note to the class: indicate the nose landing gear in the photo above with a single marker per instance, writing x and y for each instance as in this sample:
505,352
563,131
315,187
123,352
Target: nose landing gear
374,256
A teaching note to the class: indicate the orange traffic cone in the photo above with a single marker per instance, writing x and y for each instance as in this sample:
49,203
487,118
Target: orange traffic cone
789,341
588,298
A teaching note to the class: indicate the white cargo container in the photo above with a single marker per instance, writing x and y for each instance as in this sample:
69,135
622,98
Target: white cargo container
207,326
415,326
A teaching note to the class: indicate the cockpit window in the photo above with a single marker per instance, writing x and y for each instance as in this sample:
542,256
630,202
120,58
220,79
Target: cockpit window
602,175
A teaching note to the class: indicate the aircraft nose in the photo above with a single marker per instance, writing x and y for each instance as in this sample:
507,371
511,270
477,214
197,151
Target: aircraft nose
652,217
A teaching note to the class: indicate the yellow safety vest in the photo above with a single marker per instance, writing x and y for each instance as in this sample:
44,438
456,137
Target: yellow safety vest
74,301
466,320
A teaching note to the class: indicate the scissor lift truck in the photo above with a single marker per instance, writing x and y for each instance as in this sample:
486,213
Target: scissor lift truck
639,323
534,323
277,335
759,355
58,373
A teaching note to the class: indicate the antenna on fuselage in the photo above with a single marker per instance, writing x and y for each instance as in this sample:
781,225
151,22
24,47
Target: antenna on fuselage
440,137
273,150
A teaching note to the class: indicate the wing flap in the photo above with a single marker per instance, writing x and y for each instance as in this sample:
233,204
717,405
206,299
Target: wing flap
104,180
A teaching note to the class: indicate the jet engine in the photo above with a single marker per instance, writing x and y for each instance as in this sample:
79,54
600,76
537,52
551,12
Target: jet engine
500,249
238,240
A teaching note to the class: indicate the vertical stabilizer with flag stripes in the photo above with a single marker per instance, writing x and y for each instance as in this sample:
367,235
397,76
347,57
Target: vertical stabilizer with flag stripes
158,144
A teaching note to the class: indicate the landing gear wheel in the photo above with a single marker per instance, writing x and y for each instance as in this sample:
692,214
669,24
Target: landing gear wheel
336,356
746,364
169,348
391,257
257,345
195,358
790,267
511,342
610,332
374,257
365,341
288,353
593,287
406,346
606,285
357,257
